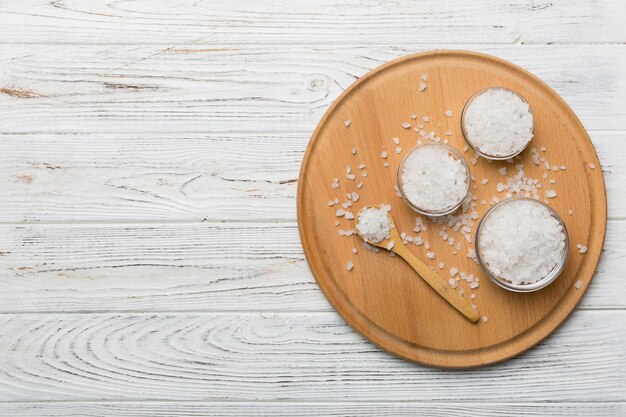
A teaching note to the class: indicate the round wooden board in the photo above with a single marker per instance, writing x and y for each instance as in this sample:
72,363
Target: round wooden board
382,297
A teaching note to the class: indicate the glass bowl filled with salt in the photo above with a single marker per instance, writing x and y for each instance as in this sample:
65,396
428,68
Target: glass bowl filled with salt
522,244
497,123
433,179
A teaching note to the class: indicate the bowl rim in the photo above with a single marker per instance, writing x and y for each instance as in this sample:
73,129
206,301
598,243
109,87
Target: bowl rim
476,148
434,213
502,282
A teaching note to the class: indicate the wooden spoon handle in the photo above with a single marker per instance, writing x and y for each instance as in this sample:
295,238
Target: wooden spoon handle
438,284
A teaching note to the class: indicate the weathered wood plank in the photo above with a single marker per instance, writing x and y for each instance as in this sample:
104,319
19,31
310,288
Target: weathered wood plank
196,88
298,22
308,409
192,267
181,177
313,357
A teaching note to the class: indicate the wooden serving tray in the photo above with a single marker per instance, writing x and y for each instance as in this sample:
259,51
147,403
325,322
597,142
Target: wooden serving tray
382,297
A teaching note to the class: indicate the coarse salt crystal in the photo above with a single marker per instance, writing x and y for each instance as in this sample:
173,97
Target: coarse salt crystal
354,250
349,266
498,122
422,87
431,255
521,241
424,77
373,223
396,141
432,179
448,113
347,123
384,154
406,125
578,285
550,193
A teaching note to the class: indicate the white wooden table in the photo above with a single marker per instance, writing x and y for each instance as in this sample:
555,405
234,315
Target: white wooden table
149,256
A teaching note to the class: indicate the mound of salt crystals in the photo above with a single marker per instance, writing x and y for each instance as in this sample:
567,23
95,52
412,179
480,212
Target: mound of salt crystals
432,179
521,241
373,223
498,122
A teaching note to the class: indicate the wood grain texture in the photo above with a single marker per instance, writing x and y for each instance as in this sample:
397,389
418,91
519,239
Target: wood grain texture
308,409
74,89
179,267
327,21
232,91
381,297
292,357
182,177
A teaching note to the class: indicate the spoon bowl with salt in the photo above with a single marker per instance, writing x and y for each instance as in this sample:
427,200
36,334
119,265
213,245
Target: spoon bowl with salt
375,226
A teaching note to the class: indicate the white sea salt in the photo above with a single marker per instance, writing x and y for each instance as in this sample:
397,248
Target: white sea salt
521,241
578,285
349,266
498,122
347,123
422,87
373,223
432,179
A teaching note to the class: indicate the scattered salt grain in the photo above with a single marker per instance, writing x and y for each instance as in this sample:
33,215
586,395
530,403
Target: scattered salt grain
424,77
398,149
422,87
349,215
441,265
340,213
583,249
431,255
373,223
384,154
485,319
359,185
396,141
484,181
448,113
498,122
331,203
349,266
347,123
386,164
503,171
432,179
592,166
353,151
406,125
550,193
521,241
453,271
570,212
578,285
354,250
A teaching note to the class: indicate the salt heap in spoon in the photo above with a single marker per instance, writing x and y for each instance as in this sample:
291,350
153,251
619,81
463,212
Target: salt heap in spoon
373,223
433,180
498,123
521,241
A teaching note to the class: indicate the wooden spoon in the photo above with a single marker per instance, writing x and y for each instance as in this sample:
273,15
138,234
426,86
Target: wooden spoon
435,281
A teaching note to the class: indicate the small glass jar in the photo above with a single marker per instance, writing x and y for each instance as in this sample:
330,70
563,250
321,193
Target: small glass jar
476,148
434,213
504,283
